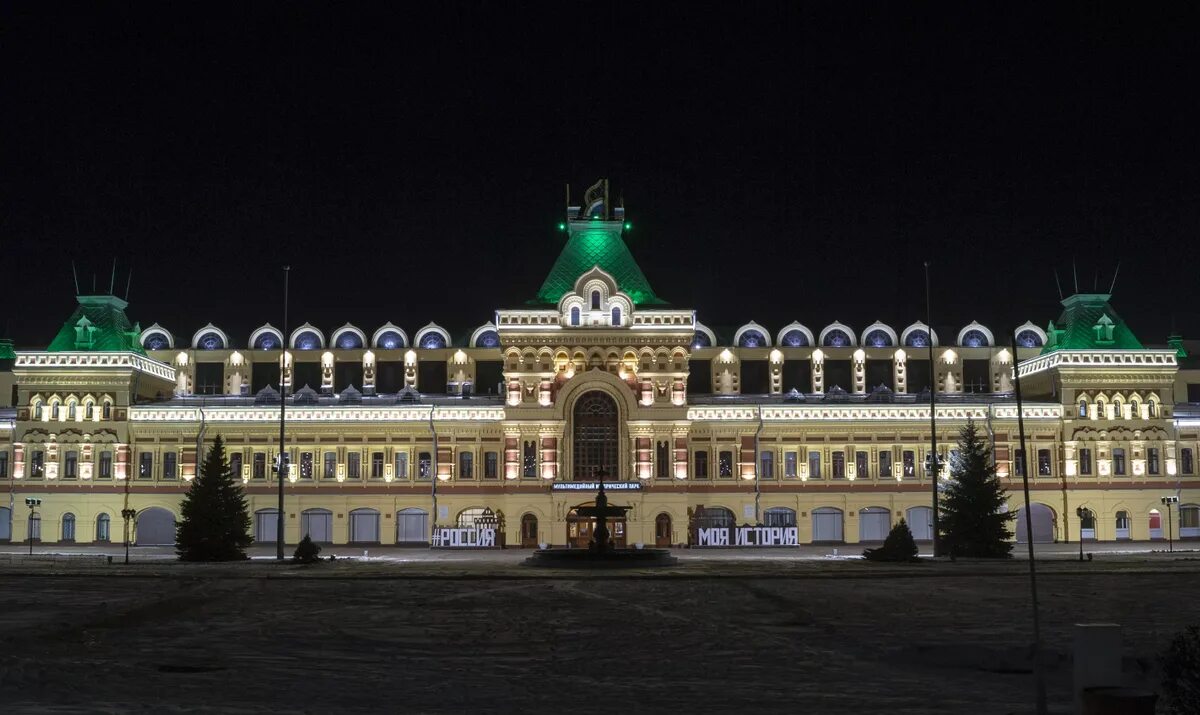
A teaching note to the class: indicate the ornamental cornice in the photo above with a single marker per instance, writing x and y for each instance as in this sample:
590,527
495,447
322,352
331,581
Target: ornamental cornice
93,360
871,413
1100,359
221,415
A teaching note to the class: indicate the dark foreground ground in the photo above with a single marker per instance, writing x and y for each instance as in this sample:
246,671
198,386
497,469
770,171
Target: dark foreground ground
493,636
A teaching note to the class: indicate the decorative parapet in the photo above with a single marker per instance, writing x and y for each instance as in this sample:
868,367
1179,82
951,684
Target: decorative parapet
868,413
270,413
77,360
1098,359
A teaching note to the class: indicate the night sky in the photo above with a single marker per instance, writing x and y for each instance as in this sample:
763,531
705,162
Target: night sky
777,162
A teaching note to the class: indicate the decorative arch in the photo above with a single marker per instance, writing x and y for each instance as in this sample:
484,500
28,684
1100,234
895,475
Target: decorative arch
485,336
794,335
975,335
432,337
703,336
390,337
752,335
595,435
266,337
156,337
210,337
879,335
348,337
1030,335
918,335
307,337
837,335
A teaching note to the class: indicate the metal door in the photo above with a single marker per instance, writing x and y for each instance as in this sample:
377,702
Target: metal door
874,522
412,526
827,525
317,524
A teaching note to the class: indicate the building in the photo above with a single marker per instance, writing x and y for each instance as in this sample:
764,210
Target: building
819,433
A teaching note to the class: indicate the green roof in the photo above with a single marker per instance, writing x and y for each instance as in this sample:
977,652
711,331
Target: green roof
6,349
98,325
1088,322
596,243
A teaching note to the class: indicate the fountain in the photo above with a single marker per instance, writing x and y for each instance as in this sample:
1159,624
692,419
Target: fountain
600,552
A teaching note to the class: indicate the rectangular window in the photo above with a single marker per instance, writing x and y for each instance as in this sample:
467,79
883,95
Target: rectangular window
1152,460
260,465
767,459
3,465
910,467
1118,458
235,464
1043,463
839,464
306,465
106,465
491,465
529,459
1085,461
1188,465
700,462
662,459
466,465
424,465
1189,518
789,465
1019,462
885,464
329,470
146,466
725,464
376,465
861,465
71,465
37,464
814,465
354,465
401,465
169,465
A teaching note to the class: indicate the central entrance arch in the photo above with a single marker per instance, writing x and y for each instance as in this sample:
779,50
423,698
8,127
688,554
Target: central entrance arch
580,528
595,434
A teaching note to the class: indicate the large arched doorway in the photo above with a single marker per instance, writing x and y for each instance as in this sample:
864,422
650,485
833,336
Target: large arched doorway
412,526
595,436
317,524
827,525
581,528
874,523
266,525
662,530
529,531
155,527
1043,524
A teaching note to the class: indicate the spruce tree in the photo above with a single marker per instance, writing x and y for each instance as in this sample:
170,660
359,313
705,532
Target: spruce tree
899,545
974,520
215,523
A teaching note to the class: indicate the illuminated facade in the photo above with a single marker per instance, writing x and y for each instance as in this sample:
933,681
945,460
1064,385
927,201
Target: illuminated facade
825,429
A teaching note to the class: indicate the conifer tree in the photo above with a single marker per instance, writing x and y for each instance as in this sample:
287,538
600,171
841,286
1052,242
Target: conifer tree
899,545
973,514
215,521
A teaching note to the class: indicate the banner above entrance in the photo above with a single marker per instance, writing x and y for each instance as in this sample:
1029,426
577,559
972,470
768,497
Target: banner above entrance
595,486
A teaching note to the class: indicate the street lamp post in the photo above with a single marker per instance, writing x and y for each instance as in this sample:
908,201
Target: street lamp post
282,429
1082,514
127,515
937,538
1167,502
32,503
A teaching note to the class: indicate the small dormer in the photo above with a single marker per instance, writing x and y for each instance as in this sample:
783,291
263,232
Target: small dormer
595,302
1104,330
85,334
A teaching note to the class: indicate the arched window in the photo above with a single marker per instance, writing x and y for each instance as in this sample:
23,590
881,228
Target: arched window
595,436
68,527
836,338
433,340
156,341
794,339
779,516
751,339
349,340
974,339
390,340
595,300
37,410
103,528
308,340
71,411
700,340
1083,408
266,341
210,341
714,517
575,316
106,412
53,410
1152,408
917,339
877,339
616,316
88,410
488,339
474,516
1029,339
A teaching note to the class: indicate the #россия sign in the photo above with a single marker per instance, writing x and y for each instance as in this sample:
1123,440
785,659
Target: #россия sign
464,537
750,536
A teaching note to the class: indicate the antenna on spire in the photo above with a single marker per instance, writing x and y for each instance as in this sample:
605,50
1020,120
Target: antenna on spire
1114,280
93,283
1096,281
112,282
75,275
568,195
128,282
1060,295
1075,274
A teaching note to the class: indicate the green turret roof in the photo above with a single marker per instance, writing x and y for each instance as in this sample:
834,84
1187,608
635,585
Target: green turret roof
6,349
596,243
1088,322
98,325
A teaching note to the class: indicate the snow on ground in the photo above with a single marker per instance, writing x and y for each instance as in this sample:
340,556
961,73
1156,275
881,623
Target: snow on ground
481,633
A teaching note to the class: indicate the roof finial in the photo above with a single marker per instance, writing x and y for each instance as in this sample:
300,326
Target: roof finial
75,275
1114,280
